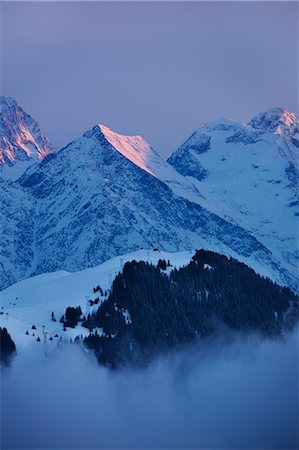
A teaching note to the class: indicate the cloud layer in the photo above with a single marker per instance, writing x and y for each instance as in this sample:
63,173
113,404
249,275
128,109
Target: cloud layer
241,393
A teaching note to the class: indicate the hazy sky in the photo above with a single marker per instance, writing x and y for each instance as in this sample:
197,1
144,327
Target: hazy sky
156,69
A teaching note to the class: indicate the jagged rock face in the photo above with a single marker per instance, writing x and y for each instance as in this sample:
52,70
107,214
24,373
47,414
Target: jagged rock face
277,120
185,158
17,232
20,136
249,176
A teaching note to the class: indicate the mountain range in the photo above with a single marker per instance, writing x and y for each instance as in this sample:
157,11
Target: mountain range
230,188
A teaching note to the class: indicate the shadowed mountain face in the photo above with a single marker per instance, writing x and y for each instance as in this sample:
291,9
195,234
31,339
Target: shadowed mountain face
106,194
17,220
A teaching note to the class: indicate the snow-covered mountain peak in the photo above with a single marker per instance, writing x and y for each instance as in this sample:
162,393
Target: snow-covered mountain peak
249,175
134,148
21,139
138,151
277,120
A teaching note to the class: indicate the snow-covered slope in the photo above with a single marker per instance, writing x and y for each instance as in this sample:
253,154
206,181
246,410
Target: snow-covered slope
21,141
248,174
31,301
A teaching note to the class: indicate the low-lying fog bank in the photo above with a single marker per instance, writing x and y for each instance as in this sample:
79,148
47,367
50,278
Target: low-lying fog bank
241,394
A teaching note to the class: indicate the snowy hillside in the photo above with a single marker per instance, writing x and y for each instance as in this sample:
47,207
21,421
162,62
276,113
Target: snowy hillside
31,301
249,176
21,140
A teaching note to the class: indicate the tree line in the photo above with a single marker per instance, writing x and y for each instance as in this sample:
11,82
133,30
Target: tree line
190,303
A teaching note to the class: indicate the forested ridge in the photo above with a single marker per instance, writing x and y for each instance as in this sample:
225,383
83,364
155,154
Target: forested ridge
149,312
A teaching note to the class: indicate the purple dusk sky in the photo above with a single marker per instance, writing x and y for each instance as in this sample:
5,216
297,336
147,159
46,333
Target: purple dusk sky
156,69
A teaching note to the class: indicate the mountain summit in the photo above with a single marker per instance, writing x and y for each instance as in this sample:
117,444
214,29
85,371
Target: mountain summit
277,120
248,174
134,148
21,139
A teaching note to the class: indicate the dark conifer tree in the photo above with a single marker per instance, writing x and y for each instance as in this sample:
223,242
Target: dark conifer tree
7,346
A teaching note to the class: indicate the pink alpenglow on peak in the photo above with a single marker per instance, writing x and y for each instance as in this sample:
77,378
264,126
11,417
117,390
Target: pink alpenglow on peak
134,148
137,150
277,120
21,139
